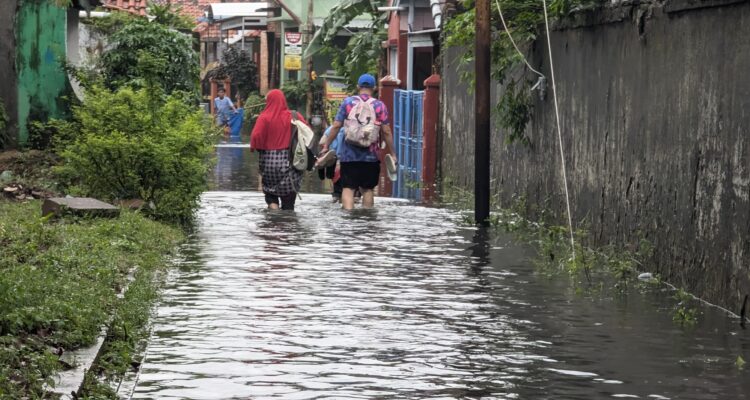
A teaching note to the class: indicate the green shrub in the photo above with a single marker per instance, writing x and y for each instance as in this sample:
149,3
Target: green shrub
296,94
139,144
109,24
237,65
172,51
254,104
48,135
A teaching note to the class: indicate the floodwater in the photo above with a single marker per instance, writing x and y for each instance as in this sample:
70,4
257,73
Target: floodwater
404,303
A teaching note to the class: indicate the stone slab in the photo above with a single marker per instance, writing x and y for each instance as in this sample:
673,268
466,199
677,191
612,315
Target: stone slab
80,206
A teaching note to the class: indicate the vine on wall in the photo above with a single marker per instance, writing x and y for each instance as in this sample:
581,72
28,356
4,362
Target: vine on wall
525,20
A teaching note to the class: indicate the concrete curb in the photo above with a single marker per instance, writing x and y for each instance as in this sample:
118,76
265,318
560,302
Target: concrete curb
68,383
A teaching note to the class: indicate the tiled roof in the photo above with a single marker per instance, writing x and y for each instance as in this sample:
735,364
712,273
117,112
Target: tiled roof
191,8
132,6
197,8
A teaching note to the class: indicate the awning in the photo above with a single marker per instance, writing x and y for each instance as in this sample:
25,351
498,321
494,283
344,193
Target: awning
238,37
246,23
222,11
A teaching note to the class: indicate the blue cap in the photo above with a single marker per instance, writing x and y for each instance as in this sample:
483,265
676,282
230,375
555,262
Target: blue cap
366,80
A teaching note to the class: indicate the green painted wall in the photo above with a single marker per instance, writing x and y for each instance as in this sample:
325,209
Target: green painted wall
40,32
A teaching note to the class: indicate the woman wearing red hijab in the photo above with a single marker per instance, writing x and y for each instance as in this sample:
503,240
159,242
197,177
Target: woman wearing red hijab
271,137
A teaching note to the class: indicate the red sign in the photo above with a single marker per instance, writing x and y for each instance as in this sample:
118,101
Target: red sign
293,38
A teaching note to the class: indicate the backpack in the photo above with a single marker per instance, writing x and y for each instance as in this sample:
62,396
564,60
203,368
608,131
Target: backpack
361,127
301,154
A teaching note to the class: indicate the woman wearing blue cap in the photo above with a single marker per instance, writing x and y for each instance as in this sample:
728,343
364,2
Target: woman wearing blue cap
364,118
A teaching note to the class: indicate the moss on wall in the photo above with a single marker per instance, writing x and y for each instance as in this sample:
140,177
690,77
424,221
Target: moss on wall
40,33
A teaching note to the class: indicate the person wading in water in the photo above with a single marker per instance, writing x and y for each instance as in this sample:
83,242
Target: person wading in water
358,153
223,107
271,136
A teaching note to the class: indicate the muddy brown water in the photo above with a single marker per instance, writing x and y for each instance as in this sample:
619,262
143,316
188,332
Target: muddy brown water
404,303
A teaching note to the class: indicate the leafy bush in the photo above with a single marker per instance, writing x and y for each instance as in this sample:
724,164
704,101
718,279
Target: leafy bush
254,104
239,66
296,93
139,144
362,55
169,14
363,51
140,44
109,24
46,135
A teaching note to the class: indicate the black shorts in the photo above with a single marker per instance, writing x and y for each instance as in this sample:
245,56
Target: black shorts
360,175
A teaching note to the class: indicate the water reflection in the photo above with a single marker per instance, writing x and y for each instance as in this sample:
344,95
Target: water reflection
399,302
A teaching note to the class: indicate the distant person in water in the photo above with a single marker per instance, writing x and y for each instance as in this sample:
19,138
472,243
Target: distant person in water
358,153
271,136
223,107
328,166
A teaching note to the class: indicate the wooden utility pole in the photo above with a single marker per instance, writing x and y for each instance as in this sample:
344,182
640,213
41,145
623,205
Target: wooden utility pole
482,114
310,32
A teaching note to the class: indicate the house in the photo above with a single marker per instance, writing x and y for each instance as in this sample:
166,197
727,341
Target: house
413,40
411,90
232,24
137,7
34,36
292,16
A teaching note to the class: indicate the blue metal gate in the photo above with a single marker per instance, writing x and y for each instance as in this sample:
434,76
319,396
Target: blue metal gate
407,137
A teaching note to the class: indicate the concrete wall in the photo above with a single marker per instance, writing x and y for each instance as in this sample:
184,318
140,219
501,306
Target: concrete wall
655,109
42,83
8,62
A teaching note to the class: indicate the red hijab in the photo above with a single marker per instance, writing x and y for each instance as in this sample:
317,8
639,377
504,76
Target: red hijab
272,130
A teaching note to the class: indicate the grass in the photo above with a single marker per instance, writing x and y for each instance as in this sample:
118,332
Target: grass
59,286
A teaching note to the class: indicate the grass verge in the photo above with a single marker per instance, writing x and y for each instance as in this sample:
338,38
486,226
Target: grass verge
59,285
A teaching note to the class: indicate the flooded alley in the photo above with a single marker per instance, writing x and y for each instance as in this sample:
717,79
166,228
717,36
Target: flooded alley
405,302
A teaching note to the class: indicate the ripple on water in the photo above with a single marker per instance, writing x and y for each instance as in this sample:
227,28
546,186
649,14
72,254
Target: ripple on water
397,302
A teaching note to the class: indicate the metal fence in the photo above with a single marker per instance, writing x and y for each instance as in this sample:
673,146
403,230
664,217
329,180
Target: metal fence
408,134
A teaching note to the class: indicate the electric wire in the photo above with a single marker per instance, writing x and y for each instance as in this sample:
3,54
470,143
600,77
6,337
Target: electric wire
557,109
513,42
559,132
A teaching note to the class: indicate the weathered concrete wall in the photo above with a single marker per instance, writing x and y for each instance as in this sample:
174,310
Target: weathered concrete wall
8,62
42,83
655,110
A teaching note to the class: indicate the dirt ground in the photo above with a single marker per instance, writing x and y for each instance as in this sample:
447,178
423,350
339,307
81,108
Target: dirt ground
31,174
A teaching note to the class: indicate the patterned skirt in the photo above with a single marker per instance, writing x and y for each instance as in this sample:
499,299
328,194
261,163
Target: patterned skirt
279,177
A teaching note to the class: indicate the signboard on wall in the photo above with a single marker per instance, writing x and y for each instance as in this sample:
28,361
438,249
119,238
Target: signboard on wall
335,90
292,62
292,51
